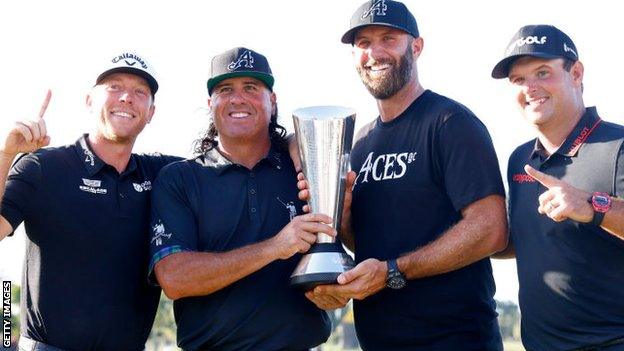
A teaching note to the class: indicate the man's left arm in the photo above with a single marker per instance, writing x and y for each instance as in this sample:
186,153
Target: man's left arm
563,201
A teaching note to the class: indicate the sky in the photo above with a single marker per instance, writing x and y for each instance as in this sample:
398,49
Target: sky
60,45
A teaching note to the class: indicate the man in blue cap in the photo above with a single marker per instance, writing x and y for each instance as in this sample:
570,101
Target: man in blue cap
226,229
85,208
565,200
424,215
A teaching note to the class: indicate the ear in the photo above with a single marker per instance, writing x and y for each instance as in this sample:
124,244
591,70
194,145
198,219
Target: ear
273,98
150,114
577,70
209,103
417,46
89,101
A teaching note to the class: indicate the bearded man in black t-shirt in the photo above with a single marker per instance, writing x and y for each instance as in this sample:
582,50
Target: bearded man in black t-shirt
427,205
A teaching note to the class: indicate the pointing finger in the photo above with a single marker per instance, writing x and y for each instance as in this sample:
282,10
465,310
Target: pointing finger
46,101
545,179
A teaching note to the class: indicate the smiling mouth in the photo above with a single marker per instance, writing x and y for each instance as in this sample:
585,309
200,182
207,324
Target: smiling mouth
239,114
536,102
122,114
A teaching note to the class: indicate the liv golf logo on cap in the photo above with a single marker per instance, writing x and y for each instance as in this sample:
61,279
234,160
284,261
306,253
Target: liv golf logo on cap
379,6
246,57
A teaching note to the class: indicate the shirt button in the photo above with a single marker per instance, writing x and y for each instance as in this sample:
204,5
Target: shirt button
252,174
121,195
252,191
253,210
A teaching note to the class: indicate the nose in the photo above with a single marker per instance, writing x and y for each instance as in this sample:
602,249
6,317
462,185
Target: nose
126,96
236,97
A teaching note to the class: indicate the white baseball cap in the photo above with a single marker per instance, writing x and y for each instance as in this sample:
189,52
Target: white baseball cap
133,63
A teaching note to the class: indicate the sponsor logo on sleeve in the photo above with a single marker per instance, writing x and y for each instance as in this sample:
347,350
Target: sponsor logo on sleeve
159,234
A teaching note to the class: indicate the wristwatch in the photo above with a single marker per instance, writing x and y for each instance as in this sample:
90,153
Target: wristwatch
601,202
395,279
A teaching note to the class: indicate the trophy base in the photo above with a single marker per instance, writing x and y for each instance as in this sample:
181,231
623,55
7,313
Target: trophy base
321,265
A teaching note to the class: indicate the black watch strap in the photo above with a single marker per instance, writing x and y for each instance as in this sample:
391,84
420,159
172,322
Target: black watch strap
597,219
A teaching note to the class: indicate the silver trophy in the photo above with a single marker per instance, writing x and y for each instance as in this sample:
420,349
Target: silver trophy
324,135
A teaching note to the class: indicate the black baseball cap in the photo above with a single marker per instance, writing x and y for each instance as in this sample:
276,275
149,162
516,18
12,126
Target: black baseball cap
129,62
387,13
544,41
240,62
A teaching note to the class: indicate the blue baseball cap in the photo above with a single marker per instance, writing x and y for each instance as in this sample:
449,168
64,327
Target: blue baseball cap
544,41
387,13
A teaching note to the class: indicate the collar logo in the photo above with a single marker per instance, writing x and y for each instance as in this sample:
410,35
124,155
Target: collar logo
130,60
379,8
533,39
246,57
90,159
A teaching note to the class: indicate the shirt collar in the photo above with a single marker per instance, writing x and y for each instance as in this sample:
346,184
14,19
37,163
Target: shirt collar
92,163
215,160
586,125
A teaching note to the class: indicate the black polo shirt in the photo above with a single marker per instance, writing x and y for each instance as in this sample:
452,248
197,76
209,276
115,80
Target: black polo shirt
209,204
87,227
571,274
415,175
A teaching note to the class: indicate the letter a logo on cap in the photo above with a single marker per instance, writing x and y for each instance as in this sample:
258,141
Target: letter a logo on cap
245,57
378,6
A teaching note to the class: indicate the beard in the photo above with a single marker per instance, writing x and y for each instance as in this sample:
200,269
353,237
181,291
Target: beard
387,84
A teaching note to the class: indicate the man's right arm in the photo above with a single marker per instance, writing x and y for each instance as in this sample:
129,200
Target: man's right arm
25,136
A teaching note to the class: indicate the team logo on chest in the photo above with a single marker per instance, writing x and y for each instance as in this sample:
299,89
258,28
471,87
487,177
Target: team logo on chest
385,167
245,58
141,187
92,186
378,8
159,234
290,207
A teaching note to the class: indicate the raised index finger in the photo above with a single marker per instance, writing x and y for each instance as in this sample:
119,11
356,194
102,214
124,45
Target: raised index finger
46,101
545,179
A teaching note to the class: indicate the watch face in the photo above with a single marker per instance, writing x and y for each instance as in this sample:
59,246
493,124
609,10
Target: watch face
601,202
397,282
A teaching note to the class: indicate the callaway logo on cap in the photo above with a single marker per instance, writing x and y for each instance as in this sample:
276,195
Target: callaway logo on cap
541,40
381,13
130,62
239,62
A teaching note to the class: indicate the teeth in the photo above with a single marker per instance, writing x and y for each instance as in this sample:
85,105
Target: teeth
239,114
376,68
536,102
122,114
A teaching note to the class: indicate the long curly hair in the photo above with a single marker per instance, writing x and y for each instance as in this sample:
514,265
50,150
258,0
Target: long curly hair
208,139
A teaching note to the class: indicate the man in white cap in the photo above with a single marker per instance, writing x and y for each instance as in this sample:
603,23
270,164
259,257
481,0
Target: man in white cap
566,213
86,212
425,216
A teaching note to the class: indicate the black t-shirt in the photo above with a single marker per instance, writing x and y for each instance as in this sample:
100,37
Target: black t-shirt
571,274
415,174
84,285
209,204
